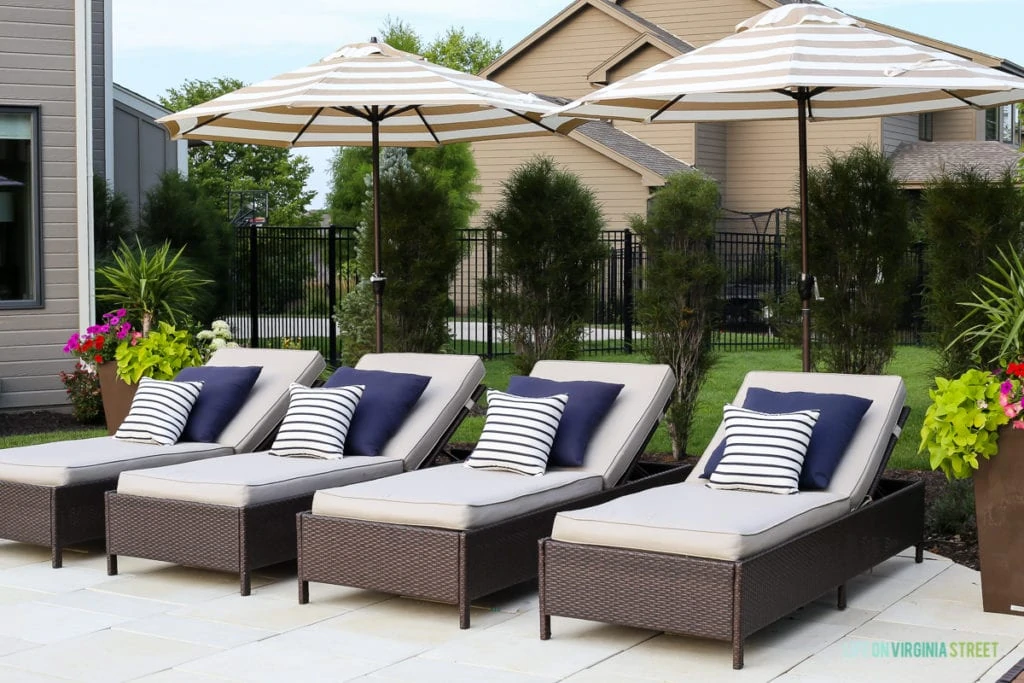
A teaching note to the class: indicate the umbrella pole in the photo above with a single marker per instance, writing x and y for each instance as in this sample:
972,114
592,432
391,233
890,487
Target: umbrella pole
377,279
806,281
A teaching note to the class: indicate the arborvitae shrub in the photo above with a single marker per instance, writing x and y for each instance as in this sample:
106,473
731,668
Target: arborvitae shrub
682,284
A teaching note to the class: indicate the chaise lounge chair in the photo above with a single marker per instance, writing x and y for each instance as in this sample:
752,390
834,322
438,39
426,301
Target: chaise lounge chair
237,513
452,534
52,494
722,564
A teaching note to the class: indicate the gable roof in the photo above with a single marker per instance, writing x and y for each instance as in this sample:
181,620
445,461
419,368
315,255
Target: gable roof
599,75
675,44
653,164
916,163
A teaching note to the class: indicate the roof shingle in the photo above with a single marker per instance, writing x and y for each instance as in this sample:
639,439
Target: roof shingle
916,163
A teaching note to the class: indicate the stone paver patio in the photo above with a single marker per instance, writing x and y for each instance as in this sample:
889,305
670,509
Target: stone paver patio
161,623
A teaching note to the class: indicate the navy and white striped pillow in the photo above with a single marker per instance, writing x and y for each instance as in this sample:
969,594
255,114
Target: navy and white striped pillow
317,422
763,452
518,433
159,411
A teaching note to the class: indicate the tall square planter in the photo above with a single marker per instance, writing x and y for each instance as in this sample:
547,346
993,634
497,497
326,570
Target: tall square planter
117,395
999,506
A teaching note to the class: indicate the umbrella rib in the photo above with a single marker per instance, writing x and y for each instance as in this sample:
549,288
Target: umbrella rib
970,104
527,118
428,126
308,124
353,111
204,123
665,107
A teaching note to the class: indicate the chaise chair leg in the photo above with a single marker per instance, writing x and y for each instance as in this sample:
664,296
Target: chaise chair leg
545,626
303,592
737,652
57,557
463,612
919,553
841,597
111,565
244,583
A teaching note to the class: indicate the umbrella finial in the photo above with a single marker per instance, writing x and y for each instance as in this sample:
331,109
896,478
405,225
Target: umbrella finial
373,39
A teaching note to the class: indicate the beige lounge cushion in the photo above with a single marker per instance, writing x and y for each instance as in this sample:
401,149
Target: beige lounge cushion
78,462
856,471
691,519
453,379
453,496
633,415
265,406
252,478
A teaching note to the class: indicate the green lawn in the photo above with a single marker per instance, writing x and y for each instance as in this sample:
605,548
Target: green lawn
912,363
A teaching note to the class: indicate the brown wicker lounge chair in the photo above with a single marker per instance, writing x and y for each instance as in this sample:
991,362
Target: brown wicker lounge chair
52,494
237,513
691,560
453,534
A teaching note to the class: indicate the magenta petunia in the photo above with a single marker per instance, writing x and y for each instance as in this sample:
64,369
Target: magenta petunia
121,312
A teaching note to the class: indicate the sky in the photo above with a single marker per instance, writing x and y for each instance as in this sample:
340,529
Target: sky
156,49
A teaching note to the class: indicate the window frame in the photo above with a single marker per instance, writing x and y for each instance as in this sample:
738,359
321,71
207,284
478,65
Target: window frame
926,127
36,229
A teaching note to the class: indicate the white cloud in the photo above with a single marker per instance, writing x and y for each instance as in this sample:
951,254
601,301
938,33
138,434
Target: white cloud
257,25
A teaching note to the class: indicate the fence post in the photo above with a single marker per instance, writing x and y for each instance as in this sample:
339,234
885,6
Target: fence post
254,299
489,267
627,291
332,292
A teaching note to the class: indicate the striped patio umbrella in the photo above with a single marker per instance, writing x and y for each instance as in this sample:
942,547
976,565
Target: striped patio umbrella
367,94
801,61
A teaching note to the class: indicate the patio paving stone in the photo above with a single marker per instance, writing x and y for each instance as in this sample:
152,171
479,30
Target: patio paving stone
42,623
198,631
11,675
425,670
108,603
106,656
268,613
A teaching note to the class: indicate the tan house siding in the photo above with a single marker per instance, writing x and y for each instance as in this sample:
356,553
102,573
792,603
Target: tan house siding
675,139
710,154
897,130
618,188
959,124
559,62
698,22
37,68
762,157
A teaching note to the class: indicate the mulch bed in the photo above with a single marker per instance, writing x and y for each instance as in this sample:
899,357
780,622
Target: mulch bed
962,549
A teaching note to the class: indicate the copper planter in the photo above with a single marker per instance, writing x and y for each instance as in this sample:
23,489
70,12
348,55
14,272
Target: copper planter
117,395
999,506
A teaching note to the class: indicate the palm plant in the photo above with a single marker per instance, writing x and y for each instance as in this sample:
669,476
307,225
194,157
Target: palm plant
151,283
997,337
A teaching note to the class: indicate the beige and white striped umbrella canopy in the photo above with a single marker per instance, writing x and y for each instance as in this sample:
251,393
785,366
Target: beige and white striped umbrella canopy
369,95
802,61
329,103
848,71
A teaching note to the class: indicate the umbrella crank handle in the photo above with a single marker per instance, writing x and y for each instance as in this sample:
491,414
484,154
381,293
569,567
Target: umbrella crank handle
377,280
808,288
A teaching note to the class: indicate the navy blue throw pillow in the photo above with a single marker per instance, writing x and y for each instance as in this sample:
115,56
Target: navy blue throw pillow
224,392
840,416
588,403
387,399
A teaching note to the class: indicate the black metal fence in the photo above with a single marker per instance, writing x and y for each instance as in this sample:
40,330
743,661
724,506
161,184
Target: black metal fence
288,281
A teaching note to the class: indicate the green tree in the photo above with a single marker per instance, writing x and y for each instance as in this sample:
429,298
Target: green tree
550,226
178,212
858,236
225,166
420,252
966,218
682,283
112,216
455,48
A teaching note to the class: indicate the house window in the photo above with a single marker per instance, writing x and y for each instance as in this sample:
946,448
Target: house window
1003,124
924,126
20,244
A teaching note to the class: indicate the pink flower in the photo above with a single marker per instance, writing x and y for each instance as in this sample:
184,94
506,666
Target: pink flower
1005,388
72,344
121,312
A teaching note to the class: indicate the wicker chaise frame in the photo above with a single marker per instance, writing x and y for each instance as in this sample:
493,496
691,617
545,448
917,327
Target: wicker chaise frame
452,566
218,537
729,600
53,516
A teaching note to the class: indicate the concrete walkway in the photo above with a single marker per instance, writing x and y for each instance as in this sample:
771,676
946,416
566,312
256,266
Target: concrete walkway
162,623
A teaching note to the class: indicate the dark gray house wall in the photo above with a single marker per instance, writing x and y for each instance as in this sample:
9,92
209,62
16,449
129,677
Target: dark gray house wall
142,148
99,88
